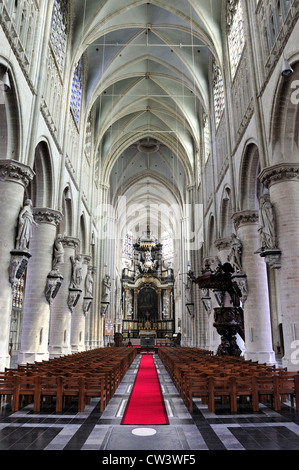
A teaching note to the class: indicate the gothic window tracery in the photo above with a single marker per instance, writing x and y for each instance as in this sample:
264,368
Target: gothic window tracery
127,252
236,35
76,94
58,36
218,89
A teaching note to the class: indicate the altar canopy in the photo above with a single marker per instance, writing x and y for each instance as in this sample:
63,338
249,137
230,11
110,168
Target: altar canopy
147,283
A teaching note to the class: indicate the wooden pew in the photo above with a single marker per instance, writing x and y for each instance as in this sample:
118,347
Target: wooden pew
248,379
8,385
77,376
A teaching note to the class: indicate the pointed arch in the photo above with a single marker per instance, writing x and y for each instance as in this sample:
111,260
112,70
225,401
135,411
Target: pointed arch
66,225
83,235
226,225
9,119
250,188
284,131
43,182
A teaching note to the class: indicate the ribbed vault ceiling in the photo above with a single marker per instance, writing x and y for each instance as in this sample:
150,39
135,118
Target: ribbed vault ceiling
148,67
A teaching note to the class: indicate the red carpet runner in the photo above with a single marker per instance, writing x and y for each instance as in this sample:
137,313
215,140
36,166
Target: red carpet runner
146,404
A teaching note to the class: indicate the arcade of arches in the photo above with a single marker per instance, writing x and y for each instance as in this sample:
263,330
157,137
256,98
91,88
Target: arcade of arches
142,147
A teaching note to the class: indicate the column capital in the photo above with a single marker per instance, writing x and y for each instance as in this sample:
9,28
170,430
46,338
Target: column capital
222,243
279,173
104,186
70,242
11,170
245,218
190,186
44,215
86,258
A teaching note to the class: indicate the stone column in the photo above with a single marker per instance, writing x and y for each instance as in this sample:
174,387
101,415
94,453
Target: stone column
14,177
36,316
282,180
60,323
78,316
258,337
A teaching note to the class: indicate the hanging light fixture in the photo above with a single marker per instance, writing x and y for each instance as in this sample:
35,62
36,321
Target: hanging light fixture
190,308
67,196
206,300
226,195
287,70
5,82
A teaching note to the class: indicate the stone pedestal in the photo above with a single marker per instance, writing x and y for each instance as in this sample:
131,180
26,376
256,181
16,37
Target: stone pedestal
36,316
282,180
223,246
227,321
60,323
14,177
258,336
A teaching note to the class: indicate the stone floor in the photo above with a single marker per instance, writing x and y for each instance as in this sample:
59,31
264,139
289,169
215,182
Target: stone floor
185,436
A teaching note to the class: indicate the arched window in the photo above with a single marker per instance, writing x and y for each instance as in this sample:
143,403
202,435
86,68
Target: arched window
218,88
76,96
58,36
236,36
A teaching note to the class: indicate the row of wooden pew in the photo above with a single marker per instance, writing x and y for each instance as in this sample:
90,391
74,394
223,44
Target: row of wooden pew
197,373
78,377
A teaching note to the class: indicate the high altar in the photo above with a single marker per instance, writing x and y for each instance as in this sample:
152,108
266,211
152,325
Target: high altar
148,293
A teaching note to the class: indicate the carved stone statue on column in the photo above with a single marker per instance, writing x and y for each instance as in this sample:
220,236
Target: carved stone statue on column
55,278
20,255
88,297
25,222
58,258
106,288
76,272
76,279
269,249
267,223
89,284
105,300
235,254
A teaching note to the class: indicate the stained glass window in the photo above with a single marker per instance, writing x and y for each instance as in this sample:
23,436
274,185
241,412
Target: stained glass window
76,96
18,293
236,36
58,36
219,103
